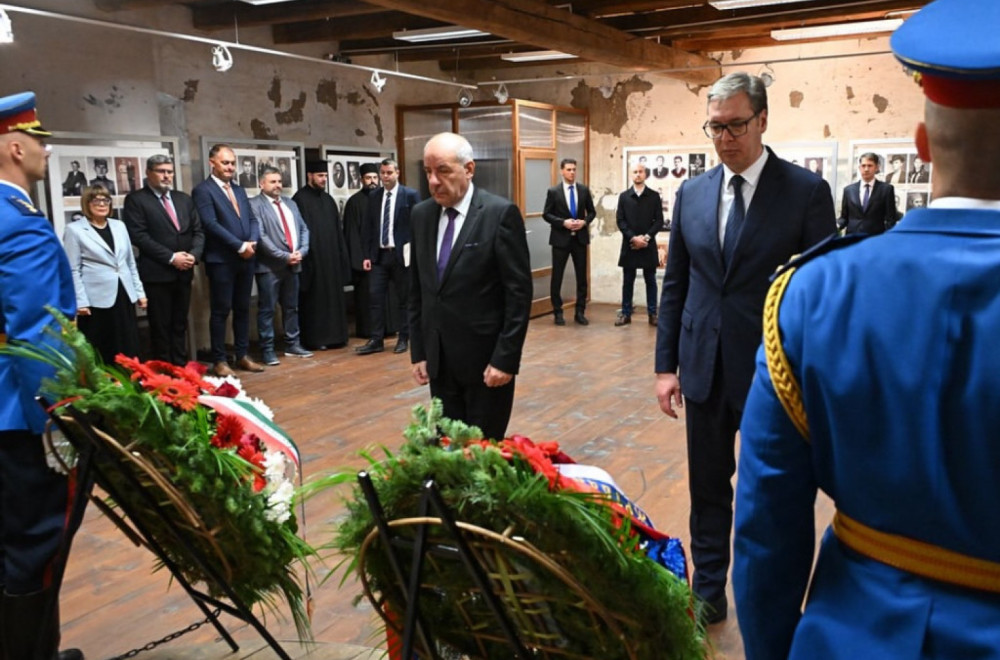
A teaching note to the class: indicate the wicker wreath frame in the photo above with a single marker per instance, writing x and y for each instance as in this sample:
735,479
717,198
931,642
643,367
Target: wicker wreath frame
512,565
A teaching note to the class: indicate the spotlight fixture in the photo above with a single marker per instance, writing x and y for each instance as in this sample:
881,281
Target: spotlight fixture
443,33
222,59
607,88
378,82
745,4
501,93
6,28
766,75
465,98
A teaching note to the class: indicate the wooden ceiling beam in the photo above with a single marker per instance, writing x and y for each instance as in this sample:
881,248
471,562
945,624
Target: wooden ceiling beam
223,15
535,22
120,5
351,27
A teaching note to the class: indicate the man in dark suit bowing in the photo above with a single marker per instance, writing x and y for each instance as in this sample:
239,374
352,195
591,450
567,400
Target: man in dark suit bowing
164,224
868,206
470,293
385,239
732,227
569,208
231,236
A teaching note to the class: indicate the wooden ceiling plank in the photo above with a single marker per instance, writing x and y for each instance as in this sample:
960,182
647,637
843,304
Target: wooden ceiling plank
550,28
223,15
352,27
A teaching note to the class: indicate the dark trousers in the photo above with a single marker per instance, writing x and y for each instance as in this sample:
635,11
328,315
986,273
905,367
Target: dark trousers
33,507
167,311
362,304
489,408
628,285
273,289
388,267
229,289
711,440
578,252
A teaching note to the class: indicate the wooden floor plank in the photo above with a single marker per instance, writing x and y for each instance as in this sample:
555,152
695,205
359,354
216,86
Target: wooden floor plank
589,388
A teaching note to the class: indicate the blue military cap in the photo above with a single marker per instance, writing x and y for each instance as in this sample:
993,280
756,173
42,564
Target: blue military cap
954,51
17,113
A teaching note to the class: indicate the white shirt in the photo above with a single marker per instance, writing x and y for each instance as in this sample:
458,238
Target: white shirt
965,203
750,178
463,210
391,200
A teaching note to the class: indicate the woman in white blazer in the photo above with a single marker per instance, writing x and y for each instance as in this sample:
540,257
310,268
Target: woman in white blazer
105,277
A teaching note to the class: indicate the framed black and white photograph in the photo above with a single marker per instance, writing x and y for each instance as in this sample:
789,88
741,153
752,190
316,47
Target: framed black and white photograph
253,156
344,169
666,168
819,157
79,160
899,165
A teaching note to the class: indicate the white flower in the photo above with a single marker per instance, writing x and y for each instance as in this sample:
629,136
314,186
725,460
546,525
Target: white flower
279,503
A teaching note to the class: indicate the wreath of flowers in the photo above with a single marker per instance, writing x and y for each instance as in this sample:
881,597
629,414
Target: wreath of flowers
521,487
232,472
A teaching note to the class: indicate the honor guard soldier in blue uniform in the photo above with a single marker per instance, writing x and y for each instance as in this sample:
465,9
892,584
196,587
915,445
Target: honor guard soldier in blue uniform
34,273
887,398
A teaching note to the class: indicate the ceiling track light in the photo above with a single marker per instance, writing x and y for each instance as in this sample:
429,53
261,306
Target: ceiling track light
377,81
536,56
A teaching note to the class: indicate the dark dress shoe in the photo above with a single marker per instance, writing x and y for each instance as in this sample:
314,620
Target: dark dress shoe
716,611
623,319
558,319
246,364
652,320
580,319
402,345
372,346
221,369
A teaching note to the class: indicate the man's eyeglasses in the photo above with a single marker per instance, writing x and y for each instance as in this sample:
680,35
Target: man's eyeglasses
736,128
101,201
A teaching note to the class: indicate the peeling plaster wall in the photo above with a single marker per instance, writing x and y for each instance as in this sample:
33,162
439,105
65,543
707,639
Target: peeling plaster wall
91,79
842,99
96,80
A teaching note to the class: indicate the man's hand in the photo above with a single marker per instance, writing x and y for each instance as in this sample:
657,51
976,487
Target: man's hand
493,377
419,371
247,250
668,394
183,261
638,242
142,303
295,258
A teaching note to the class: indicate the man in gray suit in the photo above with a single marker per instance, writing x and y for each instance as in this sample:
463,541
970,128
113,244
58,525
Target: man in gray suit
284,242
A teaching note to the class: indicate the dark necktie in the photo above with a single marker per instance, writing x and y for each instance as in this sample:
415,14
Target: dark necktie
572,202
734,223
864,202
446,241
284,225
385,219
169,206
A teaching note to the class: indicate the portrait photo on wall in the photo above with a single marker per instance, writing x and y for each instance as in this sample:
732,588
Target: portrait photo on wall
818,157
74,167
127,178
666,169
899,165
250,164
353,175
341,162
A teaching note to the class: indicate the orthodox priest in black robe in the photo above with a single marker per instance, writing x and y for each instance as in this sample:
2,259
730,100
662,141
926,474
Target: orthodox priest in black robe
354,216
326,269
